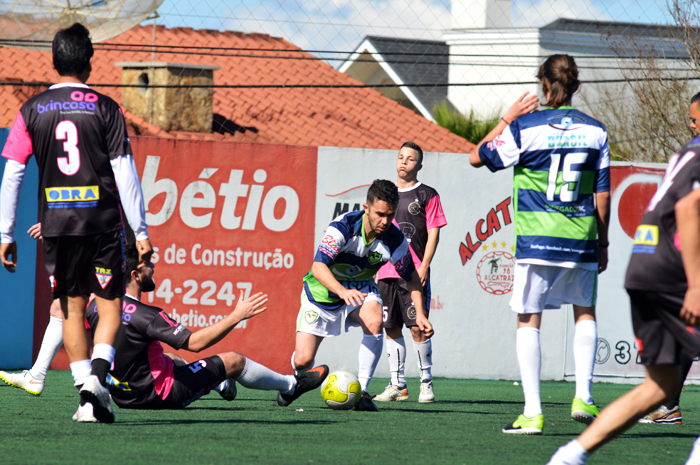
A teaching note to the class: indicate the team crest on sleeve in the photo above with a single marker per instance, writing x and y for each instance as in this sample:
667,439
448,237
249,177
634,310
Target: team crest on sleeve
104,276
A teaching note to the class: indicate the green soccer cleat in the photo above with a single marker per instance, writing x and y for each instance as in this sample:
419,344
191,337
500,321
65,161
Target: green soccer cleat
525,425
583,412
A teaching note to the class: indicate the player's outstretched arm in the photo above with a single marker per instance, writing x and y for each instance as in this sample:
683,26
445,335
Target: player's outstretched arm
602,201
207,337
324,275
688,224
416,289
521,107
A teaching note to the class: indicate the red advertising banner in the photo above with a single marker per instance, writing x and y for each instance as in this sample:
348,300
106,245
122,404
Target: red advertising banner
227,217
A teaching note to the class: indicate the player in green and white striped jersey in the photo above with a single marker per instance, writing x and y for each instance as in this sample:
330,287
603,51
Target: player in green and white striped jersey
562,202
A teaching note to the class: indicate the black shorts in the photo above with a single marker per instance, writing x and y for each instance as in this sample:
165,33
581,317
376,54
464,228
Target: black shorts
398,308
81,265
190,382
660,332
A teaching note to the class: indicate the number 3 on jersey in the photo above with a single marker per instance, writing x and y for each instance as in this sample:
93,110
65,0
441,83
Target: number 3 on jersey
66,130
567,192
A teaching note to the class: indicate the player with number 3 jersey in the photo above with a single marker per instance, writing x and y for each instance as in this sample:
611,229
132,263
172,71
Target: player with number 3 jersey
87,177
561,196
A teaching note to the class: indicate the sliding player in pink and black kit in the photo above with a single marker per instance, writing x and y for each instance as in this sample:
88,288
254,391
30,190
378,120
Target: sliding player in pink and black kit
419,215
144,377
87,176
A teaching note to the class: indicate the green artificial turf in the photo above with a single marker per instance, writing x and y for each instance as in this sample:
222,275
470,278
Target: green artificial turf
462,427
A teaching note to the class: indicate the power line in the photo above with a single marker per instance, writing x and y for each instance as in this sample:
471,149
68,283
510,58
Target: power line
175,49
338,86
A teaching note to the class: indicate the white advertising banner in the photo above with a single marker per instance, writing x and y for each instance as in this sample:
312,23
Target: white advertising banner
472,272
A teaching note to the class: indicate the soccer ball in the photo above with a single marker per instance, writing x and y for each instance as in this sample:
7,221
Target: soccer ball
341,390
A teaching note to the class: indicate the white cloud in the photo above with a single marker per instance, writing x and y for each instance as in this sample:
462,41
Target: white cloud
341,24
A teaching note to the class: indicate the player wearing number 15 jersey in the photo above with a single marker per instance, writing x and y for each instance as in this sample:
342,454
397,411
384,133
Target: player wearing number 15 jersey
86,177
561,197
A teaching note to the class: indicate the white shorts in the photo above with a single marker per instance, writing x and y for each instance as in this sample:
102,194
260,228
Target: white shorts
315,320
540,287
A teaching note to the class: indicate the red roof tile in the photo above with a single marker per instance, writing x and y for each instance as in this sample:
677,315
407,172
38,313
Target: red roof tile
343,117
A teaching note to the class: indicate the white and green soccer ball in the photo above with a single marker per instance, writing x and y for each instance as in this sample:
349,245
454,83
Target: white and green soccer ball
341,390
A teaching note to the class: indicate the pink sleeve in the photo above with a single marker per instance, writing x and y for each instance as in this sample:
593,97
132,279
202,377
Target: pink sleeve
434,216
19,145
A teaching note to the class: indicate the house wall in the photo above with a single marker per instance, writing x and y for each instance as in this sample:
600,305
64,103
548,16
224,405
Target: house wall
511,55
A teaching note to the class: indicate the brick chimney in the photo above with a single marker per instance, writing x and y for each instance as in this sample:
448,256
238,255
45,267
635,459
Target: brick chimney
172,109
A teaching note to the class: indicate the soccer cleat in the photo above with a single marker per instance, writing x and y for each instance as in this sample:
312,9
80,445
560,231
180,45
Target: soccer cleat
94,393
306,381
525,425
365,403
230,392
24,381
392,393
85,414
426,392
583,412
664,415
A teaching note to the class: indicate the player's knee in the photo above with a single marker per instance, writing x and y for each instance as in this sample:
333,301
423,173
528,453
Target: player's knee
418,335
374,324
234,363
55,310
302,361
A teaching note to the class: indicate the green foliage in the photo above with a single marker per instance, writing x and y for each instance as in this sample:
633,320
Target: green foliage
470,127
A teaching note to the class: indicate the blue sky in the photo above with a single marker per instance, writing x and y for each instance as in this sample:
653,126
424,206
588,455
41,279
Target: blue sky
341,24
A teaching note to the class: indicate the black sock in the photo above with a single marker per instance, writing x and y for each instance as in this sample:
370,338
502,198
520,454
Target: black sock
100,367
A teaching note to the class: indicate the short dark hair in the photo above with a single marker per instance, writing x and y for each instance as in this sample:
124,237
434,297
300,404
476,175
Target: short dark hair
381,189
72,50
132,260
416,147
696,98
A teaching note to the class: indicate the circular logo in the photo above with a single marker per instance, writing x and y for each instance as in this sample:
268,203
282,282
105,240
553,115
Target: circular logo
602,352
411,312
414,208
495,272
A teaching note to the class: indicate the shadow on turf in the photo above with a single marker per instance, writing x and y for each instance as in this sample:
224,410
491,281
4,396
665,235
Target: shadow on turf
197,422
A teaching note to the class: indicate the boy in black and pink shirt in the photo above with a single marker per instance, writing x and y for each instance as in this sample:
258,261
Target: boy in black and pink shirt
419,215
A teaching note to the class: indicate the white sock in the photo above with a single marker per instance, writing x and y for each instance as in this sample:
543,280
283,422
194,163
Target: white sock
103,351
396,349
424,352
222,386
297,370
256,376
694,458
370,353
570,454
53,340
585,343
527,346
81,371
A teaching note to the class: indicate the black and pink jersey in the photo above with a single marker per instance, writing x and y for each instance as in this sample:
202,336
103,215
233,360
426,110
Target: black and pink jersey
656,263
419,210
141,370
74,132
